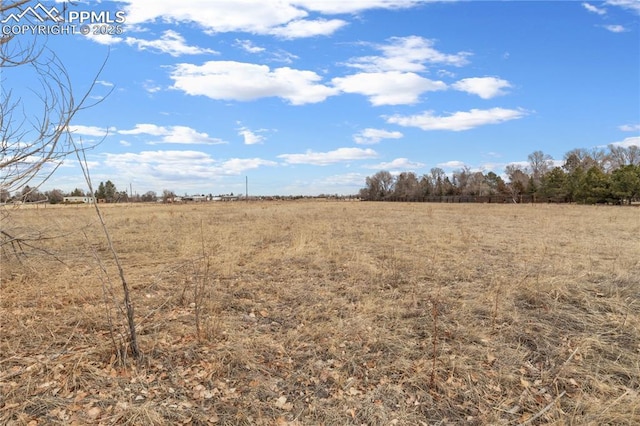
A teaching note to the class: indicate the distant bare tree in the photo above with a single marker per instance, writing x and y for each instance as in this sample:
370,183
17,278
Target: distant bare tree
149,196
540,164
379,186
461,179
518,181
620,156
477,185
584,159
168,196
407,187
437,180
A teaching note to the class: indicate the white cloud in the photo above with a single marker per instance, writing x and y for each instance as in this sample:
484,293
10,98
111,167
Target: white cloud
372,136
151,87
593,9
104,83
630,127
446,73
308,28
407,54
170,42
401,164
169,167
250,137
485,87
162,164
125,143
149,129
229,80
458,121
236,166
284,18
91,130
453,164
254,16
489,167
615,28
173,134
388,88
248,46
104,39
324,158
633,5
282,56
347,183
339,7
627,142
346,179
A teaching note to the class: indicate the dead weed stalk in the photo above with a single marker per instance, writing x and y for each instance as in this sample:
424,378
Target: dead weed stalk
132,338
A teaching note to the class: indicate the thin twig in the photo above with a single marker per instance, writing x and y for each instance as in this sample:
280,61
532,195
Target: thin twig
566,362
133,341
544,410
435,314
615,402
107,291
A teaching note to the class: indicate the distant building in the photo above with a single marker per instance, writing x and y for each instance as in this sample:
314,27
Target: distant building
196,198
79,200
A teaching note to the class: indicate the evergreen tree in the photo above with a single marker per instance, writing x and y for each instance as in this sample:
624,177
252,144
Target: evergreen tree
554,185
625,183
596,187
106,191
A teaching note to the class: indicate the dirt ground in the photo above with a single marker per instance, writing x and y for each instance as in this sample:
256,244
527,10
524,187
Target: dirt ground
322,313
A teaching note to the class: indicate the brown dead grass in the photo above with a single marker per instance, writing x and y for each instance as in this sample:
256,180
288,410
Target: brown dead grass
326,313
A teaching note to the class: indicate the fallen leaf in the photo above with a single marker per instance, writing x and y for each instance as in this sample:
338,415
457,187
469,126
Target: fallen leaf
514,409
353,391
94,413
283,404
491,359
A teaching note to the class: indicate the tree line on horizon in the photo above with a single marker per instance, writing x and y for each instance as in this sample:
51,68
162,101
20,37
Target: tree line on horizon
584,176
106,191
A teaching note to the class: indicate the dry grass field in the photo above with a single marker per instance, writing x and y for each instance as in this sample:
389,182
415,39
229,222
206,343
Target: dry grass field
324,313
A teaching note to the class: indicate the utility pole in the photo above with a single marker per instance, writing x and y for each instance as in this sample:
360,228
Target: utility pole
246,188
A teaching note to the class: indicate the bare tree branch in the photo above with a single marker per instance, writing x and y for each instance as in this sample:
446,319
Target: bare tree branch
33,146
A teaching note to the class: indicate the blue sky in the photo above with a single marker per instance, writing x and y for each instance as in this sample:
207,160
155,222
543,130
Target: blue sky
311,96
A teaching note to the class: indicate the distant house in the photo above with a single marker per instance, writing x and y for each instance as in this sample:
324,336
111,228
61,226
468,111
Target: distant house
196,198
79,200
